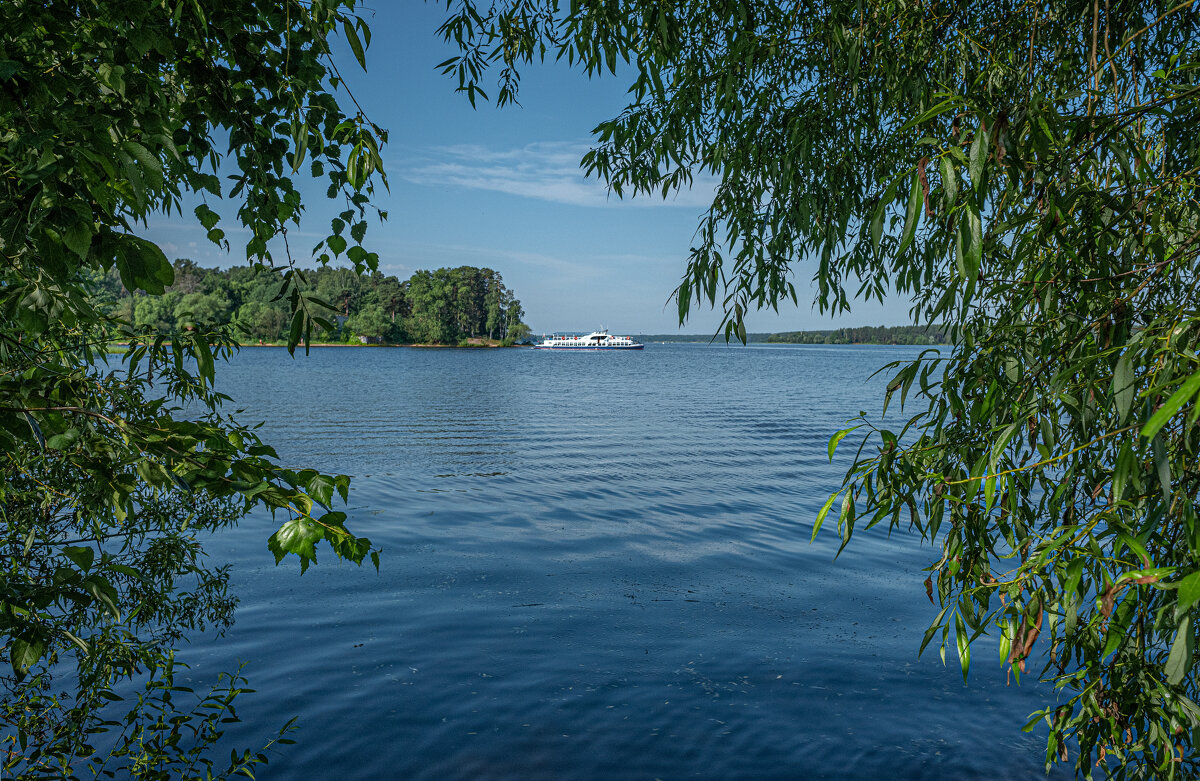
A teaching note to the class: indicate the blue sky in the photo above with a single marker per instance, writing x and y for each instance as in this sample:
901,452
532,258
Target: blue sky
502,188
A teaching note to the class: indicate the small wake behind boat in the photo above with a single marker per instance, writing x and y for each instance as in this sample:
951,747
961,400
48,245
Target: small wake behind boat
596,340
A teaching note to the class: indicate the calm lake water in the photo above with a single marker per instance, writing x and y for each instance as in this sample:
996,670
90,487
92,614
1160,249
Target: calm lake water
595,566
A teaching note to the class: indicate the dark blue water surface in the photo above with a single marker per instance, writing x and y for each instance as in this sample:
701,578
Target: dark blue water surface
595,565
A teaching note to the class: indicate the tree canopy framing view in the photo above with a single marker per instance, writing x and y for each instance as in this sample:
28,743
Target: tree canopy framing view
1024,172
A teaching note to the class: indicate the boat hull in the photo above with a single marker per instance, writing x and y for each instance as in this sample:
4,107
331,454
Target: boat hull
592,348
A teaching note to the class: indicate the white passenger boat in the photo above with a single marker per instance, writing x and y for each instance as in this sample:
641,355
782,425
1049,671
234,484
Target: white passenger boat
596,340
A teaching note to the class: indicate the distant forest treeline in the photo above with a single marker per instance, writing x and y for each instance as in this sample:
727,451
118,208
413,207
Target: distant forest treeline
697,338
904,334
446,306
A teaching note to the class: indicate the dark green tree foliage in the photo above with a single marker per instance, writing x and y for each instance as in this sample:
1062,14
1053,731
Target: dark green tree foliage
449,305
1026,173
110,112
435,307
904,334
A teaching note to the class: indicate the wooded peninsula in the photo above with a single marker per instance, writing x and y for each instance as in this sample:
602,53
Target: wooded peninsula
449,306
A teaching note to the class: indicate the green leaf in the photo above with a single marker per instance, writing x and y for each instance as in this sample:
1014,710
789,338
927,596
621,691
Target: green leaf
838,437
846,516
1121,471
111,77
208,218
1180,659
1119,624
877,228
63,441
296,328
821,515
1122,387
143,156
1001,443
204,360
355,44
104,592
970,230
979,153
963,640
913,214
301,148
78,237
24,651
298,536
321,488
142,265
8,69
1180,397
1074,575
81,556
1072,614
1189,592
949,180
932,630
1162,467
37,430
83,646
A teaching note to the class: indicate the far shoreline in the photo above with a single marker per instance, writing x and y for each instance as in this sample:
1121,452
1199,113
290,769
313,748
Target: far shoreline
281,346
388,344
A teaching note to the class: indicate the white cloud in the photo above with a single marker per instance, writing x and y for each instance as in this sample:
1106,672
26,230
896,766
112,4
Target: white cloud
462,253
547,171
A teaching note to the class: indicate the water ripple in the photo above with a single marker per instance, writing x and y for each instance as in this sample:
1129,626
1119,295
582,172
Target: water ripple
595,566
